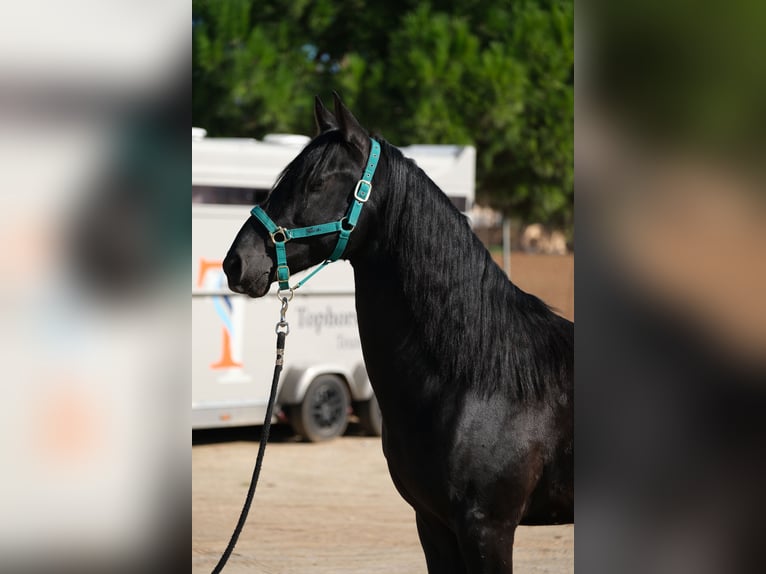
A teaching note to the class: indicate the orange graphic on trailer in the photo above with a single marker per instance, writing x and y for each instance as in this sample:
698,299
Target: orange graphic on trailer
211,275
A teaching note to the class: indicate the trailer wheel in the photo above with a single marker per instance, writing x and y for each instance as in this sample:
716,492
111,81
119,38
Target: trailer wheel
369,416
323,414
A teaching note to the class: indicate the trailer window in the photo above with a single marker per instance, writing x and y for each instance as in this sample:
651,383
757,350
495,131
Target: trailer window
228,195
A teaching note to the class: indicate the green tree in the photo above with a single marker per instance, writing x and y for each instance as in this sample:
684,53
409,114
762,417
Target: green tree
250,73
529,168
496,74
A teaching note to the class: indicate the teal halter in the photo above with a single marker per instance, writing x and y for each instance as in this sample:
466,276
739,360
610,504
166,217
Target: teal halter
280,236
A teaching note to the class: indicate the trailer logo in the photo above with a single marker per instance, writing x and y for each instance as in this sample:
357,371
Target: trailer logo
329,318
211,276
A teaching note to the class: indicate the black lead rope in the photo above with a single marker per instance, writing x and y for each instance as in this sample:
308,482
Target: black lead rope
282,330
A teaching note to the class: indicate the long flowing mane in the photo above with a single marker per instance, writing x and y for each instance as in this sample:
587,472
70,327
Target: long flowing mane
463,304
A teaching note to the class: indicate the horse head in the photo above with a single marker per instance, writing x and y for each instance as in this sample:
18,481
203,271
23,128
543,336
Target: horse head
315,188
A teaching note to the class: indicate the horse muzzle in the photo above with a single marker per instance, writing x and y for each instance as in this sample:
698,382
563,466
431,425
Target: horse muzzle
245,278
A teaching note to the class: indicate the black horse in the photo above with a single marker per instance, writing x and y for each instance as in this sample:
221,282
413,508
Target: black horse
474,376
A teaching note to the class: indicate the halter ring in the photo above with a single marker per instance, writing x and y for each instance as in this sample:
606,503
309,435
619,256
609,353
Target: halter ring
275,232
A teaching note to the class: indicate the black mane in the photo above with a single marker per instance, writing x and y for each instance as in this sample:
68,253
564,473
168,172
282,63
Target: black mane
463,303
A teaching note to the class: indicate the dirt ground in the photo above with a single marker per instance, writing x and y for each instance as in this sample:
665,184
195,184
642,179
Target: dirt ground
331,508
325,508
550,277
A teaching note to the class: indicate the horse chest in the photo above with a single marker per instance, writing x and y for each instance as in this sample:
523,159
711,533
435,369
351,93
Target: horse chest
417,467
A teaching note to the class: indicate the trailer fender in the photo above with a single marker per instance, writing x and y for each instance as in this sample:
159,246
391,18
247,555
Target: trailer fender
362,391
296,380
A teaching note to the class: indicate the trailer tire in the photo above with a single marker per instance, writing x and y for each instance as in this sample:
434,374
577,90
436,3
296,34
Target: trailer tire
369,416
323,413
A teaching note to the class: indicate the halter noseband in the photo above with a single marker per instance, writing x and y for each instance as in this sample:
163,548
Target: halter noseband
280,236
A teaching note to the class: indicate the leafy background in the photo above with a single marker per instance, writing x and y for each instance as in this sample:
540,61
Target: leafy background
495,74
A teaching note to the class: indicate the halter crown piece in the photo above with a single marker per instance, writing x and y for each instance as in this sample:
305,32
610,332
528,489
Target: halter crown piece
344,226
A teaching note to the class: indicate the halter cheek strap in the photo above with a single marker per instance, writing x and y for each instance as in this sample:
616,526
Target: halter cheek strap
280,236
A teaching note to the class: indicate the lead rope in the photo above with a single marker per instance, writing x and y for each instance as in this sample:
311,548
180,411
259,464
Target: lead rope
282,329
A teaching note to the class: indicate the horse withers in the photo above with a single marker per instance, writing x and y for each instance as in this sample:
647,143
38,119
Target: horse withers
474,377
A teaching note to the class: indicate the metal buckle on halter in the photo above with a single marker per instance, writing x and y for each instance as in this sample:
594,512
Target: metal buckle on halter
279,230
358,187
287,269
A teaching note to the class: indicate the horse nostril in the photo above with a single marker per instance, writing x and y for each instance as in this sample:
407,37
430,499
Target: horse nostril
232,266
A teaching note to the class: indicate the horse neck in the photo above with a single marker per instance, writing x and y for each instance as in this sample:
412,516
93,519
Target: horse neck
430,247
425,287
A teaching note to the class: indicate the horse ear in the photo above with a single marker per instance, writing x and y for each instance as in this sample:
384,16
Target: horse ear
354,133
324,119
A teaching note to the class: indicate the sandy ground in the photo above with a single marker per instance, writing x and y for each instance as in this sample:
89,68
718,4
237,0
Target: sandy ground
331,508
322,508
550,277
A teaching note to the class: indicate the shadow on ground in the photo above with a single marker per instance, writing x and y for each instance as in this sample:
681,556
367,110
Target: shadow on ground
280,433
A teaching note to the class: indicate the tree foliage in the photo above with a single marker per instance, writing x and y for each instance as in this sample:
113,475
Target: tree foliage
495,74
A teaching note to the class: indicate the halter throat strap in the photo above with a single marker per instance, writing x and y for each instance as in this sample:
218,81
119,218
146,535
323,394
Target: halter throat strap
343,227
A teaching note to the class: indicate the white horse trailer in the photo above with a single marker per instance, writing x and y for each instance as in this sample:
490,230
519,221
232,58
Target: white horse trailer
233,340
